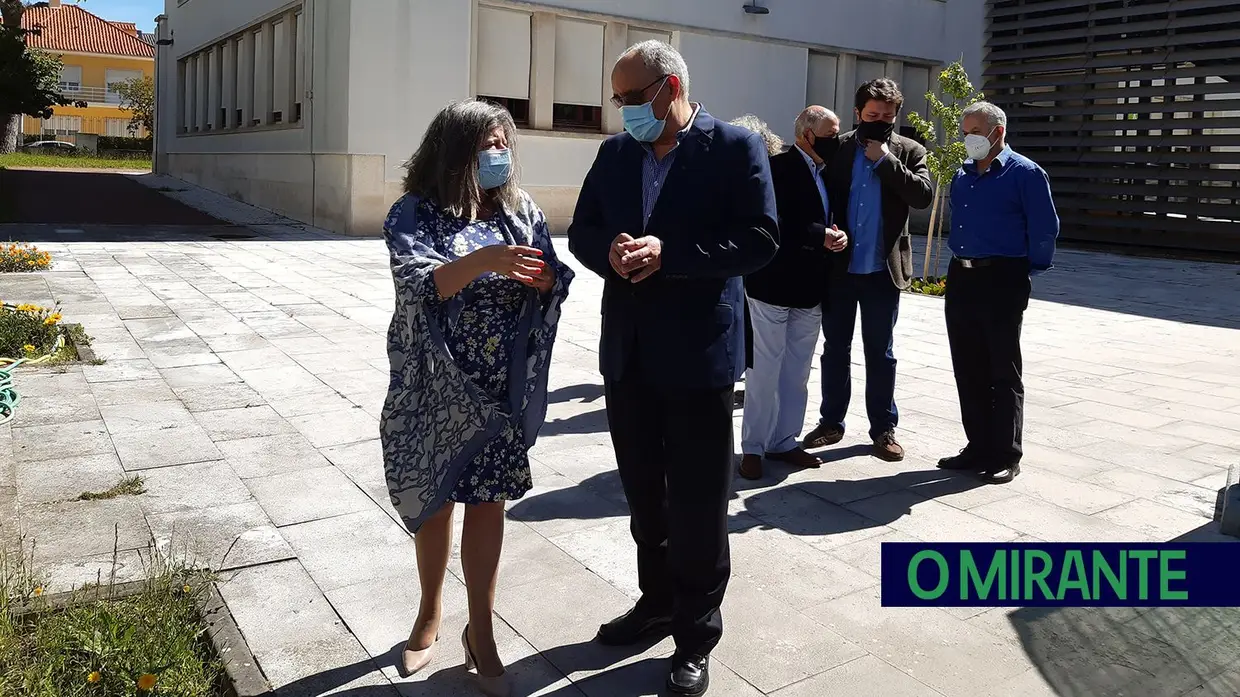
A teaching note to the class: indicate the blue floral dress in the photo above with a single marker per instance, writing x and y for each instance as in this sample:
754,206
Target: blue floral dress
481,341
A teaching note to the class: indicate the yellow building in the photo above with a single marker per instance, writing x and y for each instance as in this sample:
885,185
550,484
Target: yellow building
96,53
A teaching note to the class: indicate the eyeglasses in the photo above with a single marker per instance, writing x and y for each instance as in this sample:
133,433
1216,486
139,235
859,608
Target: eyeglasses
635,97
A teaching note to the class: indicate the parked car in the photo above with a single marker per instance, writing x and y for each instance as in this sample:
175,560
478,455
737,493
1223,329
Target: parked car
50,147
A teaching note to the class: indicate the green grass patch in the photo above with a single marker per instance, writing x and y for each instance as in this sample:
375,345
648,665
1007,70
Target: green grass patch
101,644
74,161
129,486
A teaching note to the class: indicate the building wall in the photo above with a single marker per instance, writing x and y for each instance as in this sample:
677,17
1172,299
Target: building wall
94,70
380,70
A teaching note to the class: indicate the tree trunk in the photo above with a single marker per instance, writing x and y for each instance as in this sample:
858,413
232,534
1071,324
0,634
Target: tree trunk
934,211
10,132
938,247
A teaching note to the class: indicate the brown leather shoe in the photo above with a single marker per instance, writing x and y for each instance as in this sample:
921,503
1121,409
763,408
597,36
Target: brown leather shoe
822,436
751,467
797,458
886,447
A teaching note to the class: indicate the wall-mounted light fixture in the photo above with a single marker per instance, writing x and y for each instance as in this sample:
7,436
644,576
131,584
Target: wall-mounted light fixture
163,35
753,8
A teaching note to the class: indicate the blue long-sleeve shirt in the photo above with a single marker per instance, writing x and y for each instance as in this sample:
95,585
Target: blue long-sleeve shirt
865,217
1006,211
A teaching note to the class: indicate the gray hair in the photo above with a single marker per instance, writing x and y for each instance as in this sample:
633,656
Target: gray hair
811,117
445,167
660,58
994,115
749,122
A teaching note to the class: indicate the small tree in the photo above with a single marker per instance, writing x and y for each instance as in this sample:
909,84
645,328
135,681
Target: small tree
138,98
29,78
946,151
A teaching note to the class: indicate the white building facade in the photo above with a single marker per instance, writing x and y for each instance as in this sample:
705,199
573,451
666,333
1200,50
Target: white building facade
310,107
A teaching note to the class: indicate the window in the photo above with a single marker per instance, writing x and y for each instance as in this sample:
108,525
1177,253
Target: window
578,90
244,83
62,126
117,128
916,84
112,77
519,108
71,78
281,71
820,85
299,69
573,117
869,70
259,78
504,51
636,36
250,78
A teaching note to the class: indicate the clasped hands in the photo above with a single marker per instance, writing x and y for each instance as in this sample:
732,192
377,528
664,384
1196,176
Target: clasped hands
834,239
636,259
518,262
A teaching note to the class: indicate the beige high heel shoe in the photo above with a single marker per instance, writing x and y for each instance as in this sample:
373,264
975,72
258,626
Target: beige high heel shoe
411,661
497,686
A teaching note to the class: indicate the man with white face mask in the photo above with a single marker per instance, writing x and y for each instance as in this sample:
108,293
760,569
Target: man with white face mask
1003,231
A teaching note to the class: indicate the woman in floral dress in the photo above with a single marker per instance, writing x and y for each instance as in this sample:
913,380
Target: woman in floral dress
478,295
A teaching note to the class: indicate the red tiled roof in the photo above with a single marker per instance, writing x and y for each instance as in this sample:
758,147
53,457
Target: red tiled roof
128,27
71,28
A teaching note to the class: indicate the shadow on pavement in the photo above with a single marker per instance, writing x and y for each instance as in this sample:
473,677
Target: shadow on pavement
1136,652
607,667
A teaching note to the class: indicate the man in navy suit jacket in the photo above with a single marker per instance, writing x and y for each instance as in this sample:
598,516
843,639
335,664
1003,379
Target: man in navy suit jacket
672,214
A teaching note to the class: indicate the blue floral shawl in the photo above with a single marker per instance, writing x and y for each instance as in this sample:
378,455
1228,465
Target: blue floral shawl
435,420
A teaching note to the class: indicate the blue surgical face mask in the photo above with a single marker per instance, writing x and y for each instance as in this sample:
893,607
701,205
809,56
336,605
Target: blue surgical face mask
640,122
494,168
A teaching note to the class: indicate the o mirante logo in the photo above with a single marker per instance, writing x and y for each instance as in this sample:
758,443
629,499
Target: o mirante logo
1080,574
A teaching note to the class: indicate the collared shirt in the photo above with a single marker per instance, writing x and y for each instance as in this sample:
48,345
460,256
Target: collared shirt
865,216
655,171
815,169
1006,211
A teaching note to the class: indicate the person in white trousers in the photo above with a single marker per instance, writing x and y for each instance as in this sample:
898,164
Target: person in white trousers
785,299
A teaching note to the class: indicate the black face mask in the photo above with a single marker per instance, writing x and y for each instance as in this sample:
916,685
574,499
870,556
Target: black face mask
826,147
875,130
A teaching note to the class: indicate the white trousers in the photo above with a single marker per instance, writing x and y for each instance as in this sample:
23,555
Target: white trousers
776,387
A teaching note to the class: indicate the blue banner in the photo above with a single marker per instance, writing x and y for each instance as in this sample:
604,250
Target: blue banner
1084,574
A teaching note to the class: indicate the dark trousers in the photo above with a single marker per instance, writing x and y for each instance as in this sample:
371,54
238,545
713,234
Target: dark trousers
879,300
985,306
674,452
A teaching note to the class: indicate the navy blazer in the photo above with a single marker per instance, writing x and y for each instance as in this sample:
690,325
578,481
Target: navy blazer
683,327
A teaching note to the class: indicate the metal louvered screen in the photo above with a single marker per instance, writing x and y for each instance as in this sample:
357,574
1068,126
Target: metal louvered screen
1132,107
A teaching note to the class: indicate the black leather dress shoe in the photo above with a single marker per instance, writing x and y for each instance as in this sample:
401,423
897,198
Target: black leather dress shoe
966,460
1002,474
635,625
690,675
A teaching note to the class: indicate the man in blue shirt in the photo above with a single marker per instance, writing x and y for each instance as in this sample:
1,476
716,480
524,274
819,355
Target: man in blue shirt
873,182
1003,231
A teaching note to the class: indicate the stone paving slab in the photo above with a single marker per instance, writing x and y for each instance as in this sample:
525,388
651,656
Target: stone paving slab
244,381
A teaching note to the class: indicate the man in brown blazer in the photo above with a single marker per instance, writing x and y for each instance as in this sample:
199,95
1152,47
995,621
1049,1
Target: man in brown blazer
873,182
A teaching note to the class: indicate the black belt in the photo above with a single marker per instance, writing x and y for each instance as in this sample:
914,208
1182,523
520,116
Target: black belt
989,261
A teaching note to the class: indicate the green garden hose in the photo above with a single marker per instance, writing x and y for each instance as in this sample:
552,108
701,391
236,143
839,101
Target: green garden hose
9,399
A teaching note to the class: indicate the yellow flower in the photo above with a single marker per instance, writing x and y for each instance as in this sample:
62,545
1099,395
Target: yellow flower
38,590
94,677
186,589
29,348
147,682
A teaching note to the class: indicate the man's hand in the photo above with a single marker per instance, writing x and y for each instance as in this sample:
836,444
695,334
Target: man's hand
875,151
640,258
616,253
835,240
